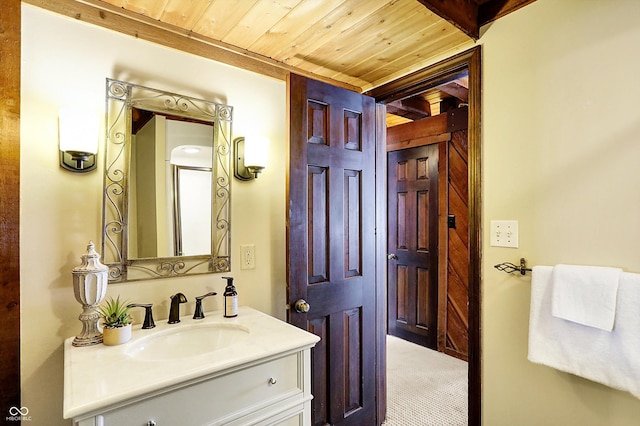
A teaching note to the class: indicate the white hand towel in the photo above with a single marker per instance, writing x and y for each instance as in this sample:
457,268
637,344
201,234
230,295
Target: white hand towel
585,294
610,358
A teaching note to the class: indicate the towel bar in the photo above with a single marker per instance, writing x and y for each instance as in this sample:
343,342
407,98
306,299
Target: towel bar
509,267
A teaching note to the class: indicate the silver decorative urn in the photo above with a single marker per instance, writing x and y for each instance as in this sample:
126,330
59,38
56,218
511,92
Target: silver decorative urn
90,286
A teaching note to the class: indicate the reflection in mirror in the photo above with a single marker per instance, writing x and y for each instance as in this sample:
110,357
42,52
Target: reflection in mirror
166,198
191,210
155,226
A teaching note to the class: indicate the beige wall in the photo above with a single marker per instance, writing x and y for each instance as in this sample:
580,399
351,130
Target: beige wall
560,122
63,61
561,152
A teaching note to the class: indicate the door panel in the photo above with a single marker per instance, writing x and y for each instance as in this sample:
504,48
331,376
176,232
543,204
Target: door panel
331,244
412,227
318,224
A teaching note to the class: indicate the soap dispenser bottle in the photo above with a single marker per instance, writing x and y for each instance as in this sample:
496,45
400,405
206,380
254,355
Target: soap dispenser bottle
230,299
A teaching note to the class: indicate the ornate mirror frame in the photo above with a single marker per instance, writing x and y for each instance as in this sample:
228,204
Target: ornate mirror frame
121,98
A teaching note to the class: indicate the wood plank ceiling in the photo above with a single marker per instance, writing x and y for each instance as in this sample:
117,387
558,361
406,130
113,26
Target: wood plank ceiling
357,44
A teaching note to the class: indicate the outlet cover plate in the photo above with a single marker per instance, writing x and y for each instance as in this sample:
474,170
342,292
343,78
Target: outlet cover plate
247,256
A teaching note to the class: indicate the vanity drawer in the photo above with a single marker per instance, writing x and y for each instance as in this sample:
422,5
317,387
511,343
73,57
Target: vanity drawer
218,400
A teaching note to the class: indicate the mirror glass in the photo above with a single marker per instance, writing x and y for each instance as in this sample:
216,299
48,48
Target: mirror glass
167,187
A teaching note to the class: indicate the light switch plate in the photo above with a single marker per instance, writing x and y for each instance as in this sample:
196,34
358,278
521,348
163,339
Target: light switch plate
504,233
247,256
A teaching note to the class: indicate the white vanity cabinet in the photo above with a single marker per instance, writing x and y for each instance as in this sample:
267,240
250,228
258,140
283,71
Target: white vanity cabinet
264,381
265,393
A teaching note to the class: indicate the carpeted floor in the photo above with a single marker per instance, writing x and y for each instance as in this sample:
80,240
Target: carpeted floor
424,387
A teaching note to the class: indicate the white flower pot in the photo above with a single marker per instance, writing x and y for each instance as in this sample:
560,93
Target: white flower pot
116,336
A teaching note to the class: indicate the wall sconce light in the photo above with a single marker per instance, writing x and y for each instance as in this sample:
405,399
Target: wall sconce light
78,139
250,156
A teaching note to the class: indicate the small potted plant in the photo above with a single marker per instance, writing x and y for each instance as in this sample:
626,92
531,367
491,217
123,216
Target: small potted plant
116,322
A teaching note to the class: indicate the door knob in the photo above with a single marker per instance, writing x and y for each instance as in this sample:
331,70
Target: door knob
301,306
392,256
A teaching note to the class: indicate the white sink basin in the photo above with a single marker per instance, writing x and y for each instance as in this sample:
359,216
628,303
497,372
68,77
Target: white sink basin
185,341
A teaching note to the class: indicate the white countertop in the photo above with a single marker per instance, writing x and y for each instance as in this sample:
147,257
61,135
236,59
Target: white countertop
99,376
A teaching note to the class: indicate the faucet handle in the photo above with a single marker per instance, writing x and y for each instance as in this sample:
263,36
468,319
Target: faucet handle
198,313
148,314
211,293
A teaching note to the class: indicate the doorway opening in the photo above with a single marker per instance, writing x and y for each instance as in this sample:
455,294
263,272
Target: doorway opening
433,145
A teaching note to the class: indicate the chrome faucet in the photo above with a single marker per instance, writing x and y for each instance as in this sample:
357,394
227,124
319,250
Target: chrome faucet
198,314
148,314
174,312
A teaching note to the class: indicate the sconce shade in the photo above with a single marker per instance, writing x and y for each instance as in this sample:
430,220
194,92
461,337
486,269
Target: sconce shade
250,156
256,151
78,139
90,281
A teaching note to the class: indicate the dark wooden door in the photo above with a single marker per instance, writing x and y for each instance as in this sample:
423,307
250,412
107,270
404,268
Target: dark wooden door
331,245
412,183
448,132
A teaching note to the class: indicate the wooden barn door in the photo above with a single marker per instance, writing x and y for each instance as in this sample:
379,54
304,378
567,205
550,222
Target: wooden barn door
454,330
331,245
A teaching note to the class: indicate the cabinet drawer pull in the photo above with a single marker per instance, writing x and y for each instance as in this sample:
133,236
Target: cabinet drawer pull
151,423
272,381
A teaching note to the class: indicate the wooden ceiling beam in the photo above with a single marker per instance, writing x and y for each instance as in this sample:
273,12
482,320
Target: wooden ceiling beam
456,90
461,13
494,9
413,108
469,16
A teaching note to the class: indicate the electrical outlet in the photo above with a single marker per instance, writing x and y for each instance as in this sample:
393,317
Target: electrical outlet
248,256
504,233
